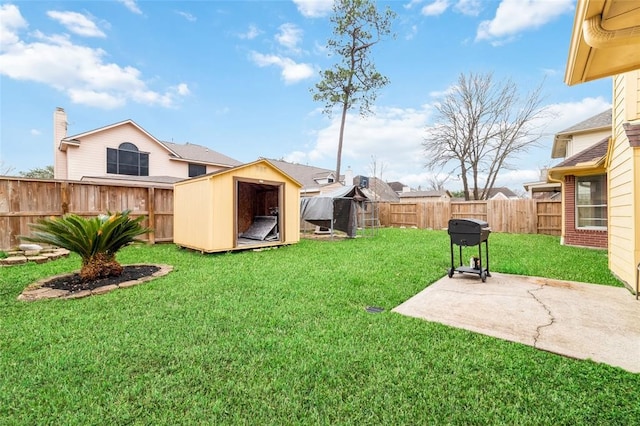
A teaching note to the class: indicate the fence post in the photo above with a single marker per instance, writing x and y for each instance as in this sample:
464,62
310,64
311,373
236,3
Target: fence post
152,213
64,197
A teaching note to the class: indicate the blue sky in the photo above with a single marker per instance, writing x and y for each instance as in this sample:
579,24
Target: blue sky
235,76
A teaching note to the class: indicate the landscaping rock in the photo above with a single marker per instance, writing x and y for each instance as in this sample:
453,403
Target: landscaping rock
30,247
14,260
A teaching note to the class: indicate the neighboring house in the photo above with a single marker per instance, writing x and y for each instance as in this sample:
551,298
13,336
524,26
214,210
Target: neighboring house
125,152
497,193
424,196
398,187
376,189
605,42
583,177
581,136
314,180
543,189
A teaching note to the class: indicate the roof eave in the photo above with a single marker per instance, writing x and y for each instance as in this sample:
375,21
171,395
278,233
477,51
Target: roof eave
590,38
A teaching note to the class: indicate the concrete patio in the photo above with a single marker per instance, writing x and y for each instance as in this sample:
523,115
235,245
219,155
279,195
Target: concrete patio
584,321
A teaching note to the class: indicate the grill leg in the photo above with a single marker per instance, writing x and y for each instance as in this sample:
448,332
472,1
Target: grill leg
486,246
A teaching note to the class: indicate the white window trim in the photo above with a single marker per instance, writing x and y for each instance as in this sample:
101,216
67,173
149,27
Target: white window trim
577,207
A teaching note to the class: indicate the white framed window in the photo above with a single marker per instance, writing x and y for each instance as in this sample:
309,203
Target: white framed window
591,202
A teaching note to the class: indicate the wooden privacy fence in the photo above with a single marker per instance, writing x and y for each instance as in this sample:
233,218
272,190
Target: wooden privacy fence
524,216
24,201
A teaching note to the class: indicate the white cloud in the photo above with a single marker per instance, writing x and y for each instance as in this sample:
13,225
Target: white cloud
412,3
251,33
314,8
393,136
80,72
438,7
132,6
468,7
11,21
186,15
183,89
77,23
566,114
411,33
291,71
35,132
289,36
515,16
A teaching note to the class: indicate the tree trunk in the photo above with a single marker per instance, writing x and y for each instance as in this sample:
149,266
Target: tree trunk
343,120
100,265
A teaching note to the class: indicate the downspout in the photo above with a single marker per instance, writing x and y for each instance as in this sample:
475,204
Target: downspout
551,178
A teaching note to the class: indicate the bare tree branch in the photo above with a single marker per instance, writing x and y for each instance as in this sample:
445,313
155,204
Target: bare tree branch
480,125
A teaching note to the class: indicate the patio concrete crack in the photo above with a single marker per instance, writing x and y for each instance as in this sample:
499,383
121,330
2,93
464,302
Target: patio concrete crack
546,308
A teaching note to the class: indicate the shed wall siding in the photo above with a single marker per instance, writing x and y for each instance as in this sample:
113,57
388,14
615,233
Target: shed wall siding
623,247
193,205
206,208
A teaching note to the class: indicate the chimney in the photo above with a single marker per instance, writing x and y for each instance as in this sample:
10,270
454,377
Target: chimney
348,177
59,133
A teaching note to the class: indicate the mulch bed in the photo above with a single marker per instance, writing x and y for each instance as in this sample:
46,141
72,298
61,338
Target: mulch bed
73,282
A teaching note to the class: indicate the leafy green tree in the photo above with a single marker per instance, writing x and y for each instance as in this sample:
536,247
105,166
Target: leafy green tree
96,240
39,173
358,26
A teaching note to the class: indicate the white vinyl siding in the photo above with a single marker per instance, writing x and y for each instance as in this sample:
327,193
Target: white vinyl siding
623,249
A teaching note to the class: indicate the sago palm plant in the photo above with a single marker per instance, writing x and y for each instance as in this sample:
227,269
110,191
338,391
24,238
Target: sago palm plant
96,240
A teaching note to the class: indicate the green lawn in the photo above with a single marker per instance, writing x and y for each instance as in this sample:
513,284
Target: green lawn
282,337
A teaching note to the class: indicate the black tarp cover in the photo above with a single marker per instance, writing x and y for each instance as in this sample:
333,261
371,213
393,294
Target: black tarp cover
339,206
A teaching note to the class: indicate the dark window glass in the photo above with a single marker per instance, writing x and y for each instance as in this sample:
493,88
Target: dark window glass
127,160
197,170
112,160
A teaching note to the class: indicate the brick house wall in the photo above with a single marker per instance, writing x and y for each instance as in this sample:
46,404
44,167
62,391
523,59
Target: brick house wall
579,237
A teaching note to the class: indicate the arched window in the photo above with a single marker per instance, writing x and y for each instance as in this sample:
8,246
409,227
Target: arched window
127,160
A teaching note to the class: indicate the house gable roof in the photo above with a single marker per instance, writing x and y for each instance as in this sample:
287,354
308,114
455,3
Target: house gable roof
601,121
308,176
598,121
590,160
263,161
397,186
377,189
75,139
591,155
179,152
200,154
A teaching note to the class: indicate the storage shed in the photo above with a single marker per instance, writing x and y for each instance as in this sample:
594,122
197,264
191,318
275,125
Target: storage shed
248,206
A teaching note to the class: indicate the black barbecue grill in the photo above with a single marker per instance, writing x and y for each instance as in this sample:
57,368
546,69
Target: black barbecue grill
469,233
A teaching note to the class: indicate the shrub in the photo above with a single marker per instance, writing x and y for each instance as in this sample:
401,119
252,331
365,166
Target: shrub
96,240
